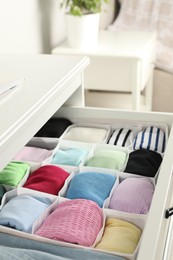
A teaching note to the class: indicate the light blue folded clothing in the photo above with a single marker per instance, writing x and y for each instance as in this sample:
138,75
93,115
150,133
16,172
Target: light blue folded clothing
21,211
70,156
92,186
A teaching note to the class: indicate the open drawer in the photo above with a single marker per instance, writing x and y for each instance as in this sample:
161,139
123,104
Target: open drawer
155,243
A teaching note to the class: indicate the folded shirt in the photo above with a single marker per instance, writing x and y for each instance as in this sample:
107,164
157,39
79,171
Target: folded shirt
21,211
86,134
133,195
107,158
143,162
34,154
13,173
92,186
54,127
47,178
151,138
120,236
76,221
70,156
121,137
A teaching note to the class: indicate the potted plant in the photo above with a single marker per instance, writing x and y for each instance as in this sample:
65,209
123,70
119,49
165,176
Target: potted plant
82,20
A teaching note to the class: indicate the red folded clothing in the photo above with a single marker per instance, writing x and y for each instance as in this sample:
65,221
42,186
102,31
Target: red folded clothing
48,178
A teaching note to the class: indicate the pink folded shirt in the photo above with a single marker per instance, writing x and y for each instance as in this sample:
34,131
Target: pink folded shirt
77,221
34,154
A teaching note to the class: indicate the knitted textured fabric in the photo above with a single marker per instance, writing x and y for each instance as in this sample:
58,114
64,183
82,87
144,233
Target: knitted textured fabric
71,156
13,173
32,154
120,236
54,127
105,158
20,212
121,137
76,221
143,162
48,178
86,134
152,138
133,195
92,186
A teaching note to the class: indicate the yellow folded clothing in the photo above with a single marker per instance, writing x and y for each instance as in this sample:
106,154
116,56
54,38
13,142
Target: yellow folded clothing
119,236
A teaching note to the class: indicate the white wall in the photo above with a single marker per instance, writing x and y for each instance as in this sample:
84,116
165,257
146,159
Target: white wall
36,26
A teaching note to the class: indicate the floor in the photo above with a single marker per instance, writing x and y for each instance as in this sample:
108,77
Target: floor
110,100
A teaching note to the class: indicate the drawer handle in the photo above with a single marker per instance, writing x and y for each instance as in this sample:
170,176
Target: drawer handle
169,212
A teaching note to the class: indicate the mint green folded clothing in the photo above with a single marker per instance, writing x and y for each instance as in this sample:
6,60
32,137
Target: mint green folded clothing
13,173
105,158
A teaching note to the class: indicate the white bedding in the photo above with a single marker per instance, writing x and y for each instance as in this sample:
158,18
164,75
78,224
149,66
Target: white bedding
150,15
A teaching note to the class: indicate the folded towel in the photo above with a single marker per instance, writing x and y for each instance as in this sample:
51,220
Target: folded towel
143,162
20,212
70,156
152,138
121,137
54,127
92,186
133,195
77,221
48,178
13,173
120,236
32,154
105,158
86,134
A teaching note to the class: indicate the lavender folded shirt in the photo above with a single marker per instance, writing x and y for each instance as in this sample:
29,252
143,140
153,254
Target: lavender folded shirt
20,212
133,195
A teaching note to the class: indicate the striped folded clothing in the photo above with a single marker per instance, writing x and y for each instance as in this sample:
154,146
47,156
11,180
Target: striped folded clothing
121,137
151,138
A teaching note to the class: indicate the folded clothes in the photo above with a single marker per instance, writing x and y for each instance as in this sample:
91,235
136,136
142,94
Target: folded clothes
92,186
143,162
151,138
77,221
47,178
121,137
133,195
34,154
13,173
70,156
21,211
120,236
54,127
107,158
86,134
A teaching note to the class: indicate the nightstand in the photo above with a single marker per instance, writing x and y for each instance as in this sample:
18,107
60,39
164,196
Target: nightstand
121,62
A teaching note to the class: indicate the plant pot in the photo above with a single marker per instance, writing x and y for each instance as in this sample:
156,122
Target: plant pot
82,31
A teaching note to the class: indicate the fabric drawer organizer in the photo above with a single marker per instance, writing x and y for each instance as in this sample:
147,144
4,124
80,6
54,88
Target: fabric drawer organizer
112,186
